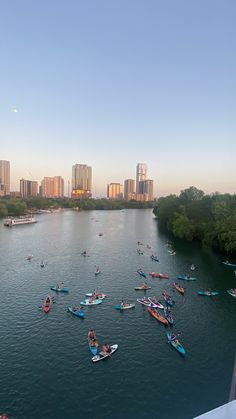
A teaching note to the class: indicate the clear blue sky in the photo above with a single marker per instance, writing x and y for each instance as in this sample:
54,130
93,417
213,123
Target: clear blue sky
113,83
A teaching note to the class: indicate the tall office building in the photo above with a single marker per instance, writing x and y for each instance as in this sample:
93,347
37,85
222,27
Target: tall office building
81,181
28,188
114,191
128,189
147,188
141,174
52,187
4,177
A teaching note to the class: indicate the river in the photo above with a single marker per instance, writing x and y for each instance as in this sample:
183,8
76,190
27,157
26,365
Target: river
46,367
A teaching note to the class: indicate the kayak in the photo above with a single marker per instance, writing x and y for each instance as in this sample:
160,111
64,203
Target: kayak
156,302
100,296
231,292
103,355
126,307
59,289
175,344
93,346
186,278
178,288
145,302
90,303
157,316
155,258
168,300
168,316
47,304
140,272
229,264
208,293
78,313
158,275
142,288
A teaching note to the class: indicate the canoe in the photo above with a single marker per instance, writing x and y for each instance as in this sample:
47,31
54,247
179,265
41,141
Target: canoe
126,307
158,275
178,288
208,293
59,289
175,344
156,302
142,288
93,346
230,292
90,303
47,304
157,316
103,355
186,278
140,272
78,313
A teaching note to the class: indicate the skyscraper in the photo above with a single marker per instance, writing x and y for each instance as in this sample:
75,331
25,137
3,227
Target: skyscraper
141,174
52,187
128,188
81,181
114,191
4,177
28,188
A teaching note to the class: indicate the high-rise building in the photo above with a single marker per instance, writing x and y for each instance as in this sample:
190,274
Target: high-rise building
147,187
114,191
128,189
141,174
28,188
52,187
81,181
4,177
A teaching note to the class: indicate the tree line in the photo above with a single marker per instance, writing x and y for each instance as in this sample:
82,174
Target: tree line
192,215
21,206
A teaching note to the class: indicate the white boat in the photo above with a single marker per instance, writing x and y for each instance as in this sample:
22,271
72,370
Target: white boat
26,219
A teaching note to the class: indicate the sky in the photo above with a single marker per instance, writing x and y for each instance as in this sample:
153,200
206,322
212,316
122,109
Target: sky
113,83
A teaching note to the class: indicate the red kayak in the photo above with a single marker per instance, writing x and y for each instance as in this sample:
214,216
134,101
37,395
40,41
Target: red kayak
158,275
47,304
157,316
179,288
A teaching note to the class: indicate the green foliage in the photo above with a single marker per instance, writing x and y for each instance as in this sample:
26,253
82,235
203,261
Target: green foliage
193,215
3,209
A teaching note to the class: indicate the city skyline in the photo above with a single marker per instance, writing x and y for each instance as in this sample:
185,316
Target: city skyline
161,90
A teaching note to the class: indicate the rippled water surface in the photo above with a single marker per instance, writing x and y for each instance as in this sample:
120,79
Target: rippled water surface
46,367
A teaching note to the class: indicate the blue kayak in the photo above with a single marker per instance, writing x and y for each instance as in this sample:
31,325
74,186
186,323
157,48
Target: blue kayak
229,264
176,344
78,313
140,272
208,293
59,289
93,348
186,278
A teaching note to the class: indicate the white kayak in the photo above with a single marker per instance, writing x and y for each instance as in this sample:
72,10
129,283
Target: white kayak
100,295
146,302
90,303
103,355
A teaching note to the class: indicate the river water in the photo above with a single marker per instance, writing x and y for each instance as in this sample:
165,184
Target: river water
46,367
